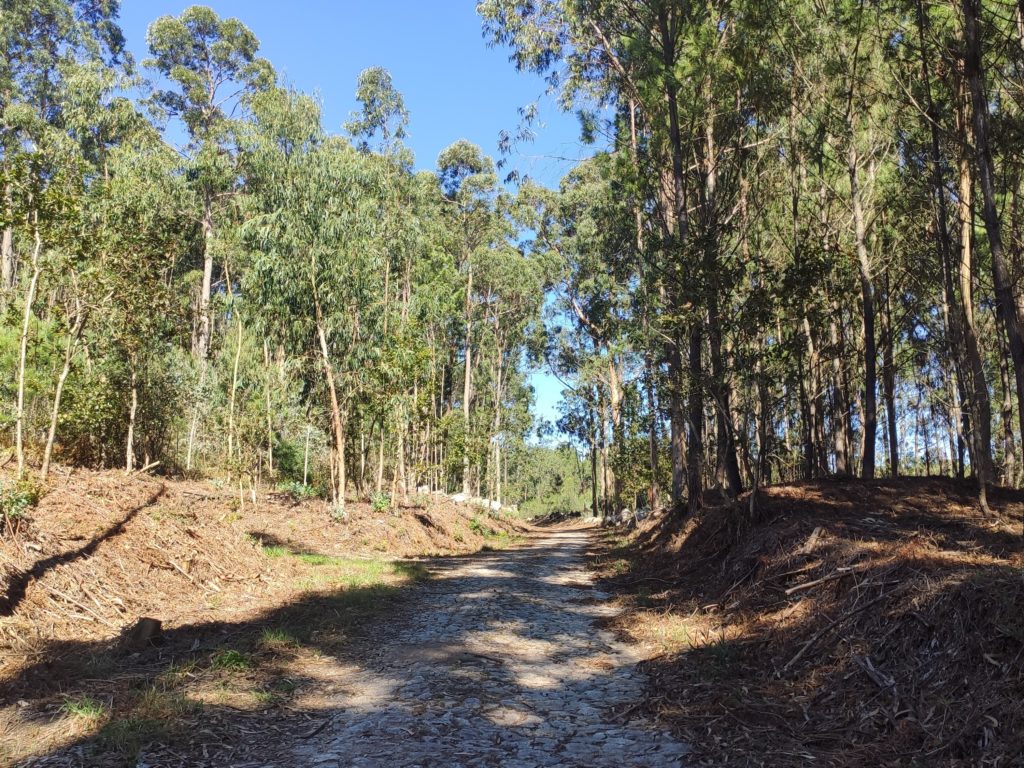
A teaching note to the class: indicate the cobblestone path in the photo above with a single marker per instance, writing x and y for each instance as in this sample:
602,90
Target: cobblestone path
496,662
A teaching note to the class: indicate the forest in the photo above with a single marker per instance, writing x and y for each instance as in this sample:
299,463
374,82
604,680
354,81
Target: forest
279,481
794,252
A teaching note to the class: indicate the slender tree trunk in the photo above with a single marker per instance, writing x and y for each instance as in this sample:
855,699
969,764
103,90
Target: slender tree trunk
1009,449
869,416
727,467
677,425
203,330
467,383
678,232
379,484
129,451
958,314
652,433
193,428
811,384
841,400
30,297
638,220
8,264
618,440
74,335
270,413
593,464
975,400
234,392
889,385
986,176
305,457
336,415
695,440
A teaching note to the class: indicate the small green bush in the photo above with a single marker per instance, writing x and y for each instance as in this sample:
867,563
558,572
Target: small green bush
298,490
380,501
16,499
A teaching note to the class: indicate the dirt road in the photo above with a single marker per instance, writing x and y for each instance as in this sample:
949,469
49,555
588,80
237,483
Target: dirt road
496,662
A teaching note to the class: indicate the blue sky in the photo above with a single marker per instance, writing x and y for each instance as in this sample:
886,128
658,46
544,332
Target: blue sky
454,85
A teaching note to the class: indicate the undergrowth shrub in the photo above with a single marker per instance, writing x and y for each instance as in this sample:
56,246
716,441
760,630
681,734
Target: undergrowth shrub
380,501
17,498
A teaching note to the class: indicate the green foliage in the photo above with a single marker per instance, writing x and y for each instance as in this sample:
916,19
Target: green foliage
380,502
18,497
84,707
297,490
231,659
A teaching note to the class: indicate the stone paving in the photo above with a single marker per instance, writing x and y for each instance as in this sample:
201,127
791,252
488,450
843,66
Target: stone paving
496,662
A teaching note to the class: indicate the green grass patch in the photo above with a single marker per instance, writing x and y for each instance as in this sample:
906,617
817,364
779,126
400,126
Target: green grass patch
350,573
127,736
274,639
231,659
311,558
84,707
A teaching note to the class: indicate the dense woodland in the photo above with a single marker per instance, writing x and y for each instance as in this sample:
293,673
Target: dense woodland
795,252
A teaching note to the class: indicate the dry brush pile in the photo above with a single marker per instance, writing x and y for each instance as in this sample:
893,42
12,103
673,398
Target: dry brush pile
854,623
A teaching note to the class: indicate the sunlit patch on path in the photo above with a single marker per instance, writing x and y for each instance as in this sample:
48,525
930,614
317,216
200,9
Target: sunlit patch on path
497,661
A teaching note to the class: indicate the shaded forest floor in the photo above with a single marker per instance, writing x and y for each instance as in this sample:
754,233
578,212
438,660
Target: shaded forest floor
843,623
254,601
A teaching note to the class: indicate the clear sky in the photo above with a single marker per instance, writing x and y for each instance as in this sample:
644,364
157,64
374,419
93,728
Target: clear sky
454,85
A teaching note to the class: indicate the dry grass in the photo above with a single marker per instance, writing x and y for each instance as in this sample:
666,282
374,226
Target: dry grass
846,624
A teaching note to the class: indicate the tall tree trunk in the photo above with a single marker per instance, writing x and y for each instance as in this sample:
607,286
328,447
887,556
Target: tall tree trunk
889,384
677,424
1009,449
964,353
618,439
593,464
986,177
234,392
336,415
841,409
133,408
379,482
202,345
695,435
869,417
30,297
975,400
74,335
8,264
305,456
678,231
268,368
467,382
652,433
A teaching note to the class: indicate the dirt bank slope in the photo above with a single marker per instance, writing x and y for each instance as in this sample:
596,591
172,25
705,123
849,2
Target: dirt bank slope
234,583
848,623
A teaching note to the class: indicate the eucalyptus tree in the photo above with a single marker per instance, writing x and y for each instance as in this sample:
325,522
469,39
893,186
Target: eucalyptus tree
316,263
212,71
470,185
138,212
41,42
